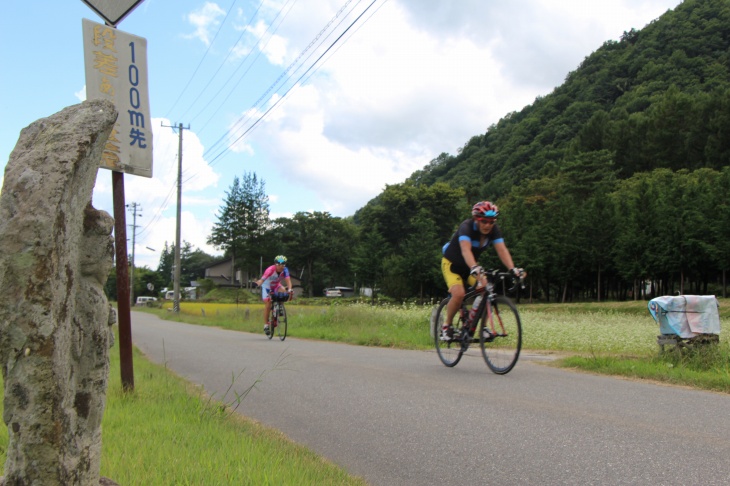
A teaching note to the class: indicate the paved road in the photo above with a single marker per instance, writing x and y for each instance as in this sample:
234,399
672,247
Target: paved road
402,418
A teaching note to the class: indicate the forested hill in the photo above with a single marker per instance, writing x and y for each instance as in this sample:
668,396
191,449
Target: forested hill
617,181
658,98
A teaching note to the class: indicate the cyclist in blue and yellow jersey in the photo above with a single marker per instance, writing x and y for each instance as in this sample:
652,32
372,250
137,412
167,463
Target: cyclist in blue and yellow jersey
271,282
460,255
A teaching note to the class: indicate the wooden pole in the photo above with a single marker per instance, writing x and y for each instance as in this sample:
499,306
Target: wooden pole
124,318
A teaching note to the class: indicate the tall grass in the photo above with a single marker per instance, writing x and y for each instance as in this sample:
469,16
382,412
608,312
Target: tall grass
613,338
594,329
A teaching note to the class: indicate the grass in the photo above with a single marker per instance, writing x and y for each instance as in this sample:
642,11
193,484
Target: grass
704,367
545,328
170,432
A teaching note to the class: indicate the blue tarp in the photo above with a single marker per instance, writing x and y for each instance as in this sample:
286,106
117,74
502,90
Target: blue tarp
686,315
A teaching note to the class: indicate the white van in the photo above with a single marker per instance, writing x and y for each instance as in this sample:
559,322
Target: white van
144,300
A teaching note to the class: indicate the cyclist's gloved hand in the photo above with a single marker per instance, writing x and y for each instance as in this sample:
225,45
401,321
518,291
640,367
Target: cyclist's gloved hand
518,272
476,270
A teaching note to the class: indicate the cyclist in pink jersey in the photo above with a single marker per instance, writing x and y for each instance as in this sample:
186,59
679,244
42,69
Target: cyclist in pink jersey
271,282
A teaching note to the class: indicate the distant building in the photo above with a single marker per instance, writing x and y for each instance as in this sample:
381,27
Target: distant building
221,274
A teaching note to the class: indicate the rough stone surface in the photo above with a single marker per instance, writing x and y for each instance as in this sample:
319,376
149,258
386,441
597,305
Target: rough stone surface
55,256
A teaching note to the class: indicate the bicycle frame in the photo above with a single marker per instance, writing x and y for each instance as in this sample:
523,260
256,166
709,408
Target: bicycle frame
278,316
489,296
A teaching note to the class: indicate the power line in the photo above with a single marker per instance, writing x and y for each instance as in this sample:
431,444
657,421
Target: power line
258,54
241,121
250,128
230,51
307,74
201,60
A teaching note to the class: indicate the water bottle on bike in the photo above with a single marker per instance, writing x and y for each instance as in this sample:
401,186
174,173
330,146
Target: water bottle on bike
473,313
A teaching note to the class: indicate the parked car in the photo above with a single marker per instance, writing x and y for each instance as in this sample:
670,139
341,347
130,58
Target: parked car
142,300
332,293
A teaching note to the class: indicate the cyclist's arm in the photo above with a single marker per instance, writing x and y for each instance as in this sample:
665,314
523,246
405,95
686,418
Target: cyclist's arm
471,262
465,245
504,255
288,283
267,273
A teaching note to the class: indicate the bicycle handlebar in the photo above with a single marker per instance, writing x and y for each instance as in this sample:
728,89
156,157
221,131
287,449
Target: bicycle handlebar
498,274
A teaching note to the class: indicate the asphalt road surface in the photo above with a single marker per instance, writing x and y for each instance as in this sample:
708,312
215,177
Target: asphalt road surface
400,417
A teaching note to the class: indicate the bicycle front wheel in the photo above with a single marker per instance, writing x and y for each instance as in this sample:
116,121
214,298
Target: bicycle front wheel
448,348
281,327
501,346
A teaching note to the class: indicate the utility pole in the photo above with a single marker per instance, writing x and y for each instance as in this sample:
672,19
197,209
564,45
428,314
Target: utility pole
176,282
133,208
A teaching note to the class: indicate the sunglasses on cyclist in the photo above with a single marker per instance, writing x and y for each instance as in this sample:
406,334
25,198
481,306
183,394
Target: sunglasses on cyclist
487,220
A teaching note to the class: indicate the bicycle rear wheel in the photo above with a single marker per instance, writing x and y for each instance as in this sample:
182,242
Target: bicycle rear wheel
501,349
281,321
449,350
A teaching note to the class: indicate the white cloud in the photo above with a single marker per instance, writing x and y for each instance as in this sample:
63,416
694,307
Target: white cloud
205,20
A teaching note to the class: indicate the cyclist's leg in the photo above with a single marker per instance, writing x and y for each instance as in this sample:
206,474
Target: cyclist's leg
455,284
457,297
265,291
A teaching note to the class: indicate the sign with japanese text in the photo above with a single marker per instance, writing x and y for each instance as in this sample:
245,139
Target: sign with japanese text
116,70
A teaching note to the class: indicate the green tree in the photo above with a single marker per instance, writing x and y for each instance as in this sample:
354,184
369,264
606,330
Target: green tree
167,262
320,245
242,222
144,276
368,257
412,222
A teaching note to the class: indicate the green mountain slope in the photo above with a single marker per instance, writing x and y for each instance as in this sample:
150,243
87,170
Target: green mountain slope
658,98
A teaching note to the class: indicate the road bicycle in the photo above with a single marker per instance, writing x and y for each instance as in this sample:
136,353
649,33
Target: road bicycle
278,314
500,329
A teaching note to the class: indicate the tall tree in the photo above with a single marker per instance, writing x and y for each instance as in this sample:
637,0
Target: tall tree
167,261
242,221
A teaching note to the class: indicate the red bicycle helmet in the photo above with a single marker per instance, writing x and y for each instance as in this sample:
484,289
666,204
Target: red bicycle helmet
485,209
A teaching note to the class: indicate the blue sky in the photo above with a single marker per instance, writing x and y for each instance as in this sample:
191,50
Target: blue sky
411,79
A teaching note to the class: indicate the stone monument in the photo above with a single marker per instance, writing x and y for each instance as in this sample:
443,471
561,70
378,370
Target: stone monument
56,252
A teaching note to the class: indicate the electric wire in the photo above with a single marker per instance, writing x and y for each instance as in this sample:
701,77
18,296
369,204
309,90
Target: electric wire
310,71
251,111
230,51
259,51
218,157
192,76
250,128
